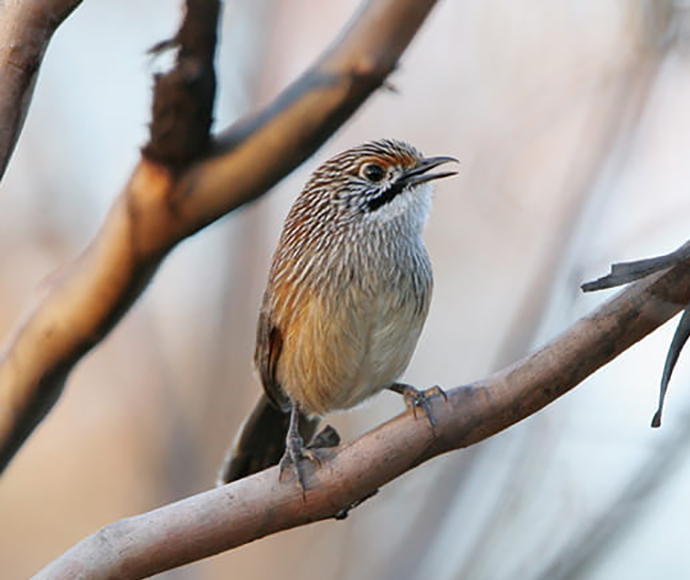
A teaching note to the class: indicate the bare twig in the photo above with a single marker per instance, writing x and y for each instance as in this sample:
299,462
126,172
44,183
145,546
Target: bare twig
159,207
241,512
625,272
25,31
680,337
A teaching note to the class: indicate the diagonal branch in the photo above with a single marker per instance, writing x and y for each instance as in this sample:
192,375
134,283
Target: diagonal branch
160,206
238,513
25,31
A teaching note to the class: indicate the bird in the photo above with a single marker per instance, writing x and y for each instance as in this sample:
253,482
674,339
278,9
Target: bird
348,293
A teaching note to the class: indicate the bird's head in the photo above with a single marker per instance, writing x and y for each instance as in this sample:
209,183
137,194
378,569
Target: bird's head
377,180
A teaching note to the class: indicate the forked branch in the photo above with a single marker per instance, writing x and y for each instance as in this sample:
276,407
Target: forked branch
163,203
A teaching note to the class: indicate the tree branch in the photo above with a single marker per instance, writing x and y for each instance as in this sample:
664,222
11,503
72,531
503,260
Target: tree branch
183,98
625,272
25,31
159,207
238,513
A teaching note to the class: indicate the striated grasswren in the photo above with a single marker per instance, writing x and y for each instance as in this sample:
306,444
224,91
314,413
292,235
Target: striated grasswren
347,295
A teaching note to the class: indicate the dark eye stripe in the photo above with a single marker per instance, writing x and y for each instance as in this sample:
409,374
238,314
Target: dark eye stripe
386,196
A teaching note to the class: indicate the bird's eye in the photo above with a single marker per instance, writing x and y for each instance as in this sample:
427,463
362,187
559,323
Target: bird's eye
373,172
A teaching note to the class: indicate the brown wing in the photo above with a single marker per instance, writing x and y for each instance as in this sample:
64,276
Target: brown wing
269,344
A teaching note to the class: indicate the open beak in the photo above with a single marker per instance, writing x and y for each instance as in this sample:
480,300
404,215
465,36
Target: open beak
419,173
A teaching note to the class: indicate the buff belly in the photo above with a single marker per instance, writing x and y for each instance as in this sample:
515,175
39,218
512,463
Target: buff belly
337,355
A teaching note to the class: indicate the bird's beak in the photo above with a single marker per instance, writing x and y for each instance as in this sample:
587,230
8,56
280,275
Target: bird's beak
419,173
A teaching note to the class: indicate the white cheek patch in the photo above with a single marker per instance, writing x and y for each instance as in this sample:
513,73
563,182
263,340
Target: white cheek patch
413,204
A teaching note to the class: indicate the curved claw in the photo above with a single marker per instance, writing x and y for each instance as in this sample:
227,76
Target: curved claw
293,460
416,399
296,452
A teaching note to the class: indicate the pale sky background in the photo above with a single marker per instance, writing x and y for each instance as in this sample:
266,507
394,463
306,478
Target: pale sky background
574,154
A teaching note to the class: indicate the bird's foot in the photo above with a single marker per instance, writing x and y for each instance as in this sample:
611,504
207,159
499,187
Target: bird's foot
416,399
296,453
293,461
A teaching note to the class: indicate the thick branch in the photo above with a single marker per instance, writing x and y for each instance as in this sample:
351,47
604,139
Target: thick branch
25,31
158,208
258,151
252,508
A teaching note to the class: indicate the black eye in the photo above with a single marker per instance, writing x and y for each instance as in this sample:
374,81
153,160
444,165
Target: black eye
373,172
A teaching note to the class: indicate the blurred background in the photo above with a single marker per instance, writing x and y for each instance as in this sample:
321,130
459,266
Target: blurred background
572,124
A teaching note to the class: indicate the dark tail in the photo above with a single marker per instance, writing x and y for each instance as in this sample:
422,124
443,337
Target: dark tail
260,442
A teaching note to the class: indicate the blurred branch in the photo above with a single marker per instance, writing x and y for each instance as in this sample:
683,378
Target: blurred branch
594,542
251,508
25,31
163,204
666,26
183,97
612,127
